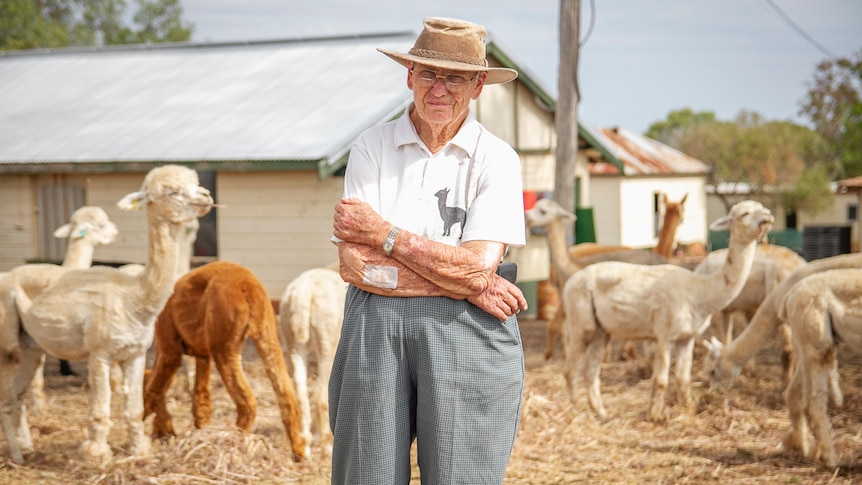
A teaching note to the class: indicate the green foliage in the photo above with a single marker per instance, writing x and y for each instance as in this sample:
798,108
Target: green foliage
29,24
161,21
832,105
768,157
811,192
677,123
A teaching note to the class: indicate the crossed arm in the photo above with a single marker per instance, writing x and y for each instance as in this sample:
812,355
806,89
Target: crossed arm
424,267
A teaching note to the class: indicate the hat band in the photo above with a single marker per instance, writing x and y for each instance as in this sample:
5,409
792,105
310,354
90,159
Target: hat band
442,56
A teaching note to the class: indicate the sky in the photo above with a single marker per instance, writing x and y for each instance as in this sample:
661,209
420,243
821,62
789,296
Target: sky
639,59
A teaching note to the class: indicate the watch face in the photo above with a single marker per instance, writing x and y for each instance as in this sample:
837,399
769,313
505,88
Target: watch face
387,246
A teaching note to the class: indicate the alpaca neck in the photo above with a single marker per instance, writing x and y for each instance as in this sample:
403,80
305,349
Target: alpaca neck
184,252
157,279
560,259
760,329
723,286
79,254
666,236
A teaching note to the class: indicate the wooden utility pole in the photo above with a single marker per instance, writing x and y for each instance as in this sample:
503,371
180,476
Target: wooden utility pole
567,107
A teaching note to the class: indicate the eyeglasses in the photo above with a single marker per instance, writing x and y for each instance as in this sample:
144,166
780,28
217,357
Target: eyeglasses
453,82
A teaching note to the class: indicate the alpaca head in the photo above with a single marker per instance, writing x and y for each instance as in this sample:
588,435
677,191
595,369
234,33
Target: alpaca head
748,221
674,210
90,224
173,191
546,212
721,372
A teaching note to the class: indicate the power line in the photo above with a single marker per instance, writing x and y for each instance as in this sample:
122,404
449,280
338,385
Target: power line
799,29
592,23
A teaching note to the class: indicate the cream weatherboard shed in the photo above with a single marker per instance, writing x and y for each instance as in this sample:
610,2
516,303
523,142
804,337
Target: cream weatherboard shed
267,125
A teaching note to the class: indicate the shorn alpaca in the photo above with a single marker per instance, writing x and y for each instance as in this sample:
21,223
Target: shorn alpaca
823,310
772,264
100,314
87,228
665,303
723,362
310,315
215,308
549,215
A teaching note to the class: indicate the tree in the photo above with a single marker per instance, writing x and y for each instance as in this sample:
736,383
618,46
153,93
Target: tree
832,103
770,158
161,21
29,24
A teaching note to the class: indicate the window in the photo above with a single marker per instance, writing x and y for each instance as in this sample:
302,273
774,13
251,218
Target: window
56,201
852,212
206,244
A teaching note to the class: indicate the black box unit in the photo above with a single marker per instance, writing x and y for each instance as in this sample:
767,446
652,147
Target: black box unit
825,241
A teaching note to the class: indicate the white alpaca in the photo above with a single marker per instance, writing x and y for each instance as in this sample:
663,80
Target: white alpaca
549,215
823,310
772,264
101,315
665,303
87,228
310,315
723,362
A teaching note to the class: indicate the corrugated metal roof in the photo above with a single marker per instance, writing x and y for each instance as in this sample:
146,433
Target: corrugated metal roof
284,100
641,155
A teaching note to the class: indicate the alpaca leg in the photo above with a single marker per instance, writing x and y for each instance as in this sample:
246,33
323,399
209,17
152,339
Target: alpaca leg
574,349
99,382
300,380
835,394
229,365
32,360
37,389
202,409
594,356
321,388
796,398
821,425
12,419
684,357
188,367
270,352
660,372
553,332
156,385
787,363
133,403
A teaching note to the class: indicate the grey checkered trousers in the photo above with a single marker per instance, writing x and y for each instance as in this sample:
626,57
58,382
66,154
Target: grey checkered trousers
441,370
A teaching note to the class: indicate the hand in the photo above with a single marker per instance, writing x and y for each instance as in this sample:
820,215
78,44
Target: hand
355,221
502,299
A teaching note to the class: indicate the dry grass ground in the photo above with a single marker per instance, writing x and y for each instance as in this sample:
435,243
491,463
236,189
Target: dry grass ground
733,437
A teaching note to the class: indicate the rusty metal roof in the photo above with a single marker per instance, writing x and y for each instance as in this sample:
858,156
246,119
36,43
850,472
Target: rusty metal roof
641,155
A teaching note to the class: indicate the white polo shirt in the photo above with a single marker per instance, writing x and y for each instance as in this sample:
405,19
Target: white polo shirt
470,190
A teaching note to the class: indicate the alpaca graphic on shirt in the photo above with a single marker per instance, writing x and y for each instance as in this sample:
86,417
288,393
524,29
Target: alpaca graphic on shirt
450,215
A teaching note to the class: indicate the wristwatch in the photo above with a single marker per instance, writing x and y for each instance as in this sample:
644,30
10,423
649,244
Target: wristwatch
389,243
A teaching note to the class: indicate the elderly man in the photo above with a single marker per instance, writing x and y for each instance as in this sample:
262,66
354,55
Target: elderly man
430,347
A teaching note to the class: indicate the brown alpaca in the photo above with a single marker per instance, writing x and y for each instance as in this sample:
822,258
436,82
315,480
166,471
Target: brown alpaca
212,312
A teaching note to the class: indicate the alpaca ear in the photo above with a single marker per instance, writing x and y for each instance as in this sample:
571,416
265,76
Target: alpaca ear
63,231
682,201
721,223
133,201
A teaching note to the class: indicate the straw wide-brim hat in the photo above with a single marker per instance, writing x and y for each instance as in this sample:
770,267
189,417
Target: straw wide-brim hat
453,44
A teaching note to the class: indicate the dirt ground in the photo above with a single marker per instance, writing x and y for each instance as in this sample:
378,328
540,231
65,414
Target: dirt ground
733,437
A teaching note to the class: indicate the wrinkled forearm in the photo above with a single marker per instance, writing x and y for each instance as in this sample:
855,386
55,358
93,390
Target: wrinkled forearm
466,270
353,259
